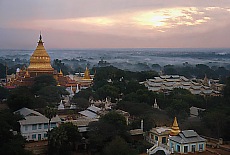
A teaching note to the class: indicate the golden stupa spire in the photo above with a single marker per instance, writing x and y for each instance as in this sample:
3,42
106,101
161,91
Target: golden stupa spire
60,72
175,128
58,84
87,74
40,39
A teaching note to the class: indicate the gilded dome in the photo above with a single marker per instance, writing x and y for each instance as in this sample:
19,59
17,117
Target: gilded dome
40,60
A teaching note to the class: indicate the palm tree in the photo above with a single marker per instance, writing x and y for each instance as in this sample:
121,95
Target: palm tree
50,113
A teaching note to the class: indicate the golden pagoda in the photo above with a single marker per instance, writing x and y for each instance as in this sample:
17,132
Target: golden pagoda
40,61
60,73
175,128
40,64
87,74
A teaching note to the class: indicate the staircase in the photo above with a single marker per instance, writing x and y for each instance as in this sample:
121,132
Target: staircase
157,147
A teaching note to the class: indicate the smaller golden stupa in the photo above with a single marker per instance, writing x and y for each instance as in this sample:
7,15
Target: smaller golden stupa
87,74
175,128
60,73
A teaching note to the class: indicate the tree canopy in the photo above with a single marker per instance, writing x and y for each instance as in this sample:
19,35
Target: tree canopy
119,146
43,81
3,93
63,139
10,143
106,129
20,97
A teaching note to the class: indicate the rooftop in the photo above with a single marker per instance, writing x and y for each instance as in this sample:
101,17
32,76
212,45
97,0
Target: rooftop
27,112
187,136
38,120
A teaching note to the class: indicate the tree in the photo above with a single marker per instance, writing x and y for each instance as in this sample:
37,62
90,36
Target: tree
119,146
156,67
2,71
81,103
58,141
20,97
178,108
63,139
106,129
52,94
10,143
58,64
227,89
85,93
50,113
72,133
108,90
43,81
170,70
3,93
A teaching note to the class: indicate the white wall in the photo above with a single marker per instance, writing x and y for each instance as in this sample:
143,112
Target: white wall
29,132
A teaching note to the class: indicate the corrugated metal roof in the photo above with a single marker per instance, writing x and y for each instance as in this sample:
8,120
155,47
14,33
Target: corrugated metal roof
187,136
38,120
26,112
88,114
93,109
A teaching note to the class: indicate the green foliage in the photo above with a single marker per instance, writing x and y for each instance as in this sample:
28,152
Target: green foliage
52,94
58,141
178,108
81,103
156,67
45,86
119,146
152,117
134,108
133,86
20,97
2,71
63,139
85,93
106,129
115,74
9,143
58,64
3,93
50,113
218,121
141,145
43,81
227,89
170,70
115,119
143,75
108,90
197,71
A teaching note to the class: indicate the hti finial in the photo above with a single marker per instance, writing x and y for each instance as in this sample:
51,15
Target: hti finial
40,36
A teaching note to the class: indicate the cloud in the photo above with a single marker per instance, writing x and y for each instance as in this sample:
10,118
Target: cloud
157,20
131,19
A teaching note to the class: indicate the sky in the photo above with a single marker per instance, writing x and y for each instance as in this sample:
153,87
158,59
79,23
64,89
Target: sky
69,24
